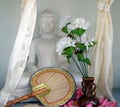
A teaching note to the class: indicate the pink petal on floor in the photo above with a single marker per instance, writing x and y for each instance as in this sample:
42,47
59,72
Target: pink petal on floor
89,105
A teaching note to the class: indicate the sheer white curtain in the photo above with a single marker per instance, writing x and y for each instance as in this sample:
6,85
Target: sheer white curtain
102,54
20,50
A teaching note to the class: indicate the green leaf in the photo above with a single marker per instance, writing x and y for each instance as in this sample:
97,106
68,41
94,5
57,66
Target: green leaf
87,61
81,46
78,31
68,52
80,57
64,29
94,43
68,58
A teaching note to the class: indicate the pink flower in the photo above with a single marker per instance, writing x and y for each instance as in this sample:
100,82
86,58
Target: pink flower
89,105
100,106
104,102
101,99
73,103
65,105
79,93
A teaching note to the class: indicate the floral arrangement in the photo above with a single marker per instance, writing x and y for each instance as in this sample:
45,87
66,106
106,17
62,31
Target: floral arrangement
104,102
77,43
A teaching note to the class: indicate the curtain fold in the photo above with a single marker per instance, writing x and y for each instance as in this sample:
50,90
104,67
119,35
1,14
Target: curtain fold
20,50
102,53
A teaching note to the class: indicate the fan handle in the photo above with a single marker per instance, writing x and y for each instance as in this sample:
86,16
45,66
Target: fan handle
40,90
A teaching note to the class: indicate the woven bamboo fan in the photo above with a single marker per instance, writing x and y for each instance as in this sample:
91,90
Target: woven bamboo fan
60,83
52,86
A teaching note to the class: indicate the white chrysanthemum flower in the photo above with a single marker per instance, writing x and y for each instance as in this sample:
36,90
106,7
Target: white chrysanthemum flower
79,23
70,27
87,40
87,45
64,43
82,38
66,19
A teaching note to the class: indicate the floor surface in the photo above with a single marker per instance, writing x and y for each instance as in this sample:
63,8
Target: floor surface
116,94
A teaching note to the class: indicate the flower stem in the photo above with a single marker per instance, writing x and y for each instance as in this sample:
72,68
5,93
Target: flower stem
78,66
86,53
83,68
86,69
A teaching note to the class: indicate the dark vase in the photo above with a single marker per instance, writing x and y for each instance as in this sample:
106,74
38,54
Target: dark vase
89,95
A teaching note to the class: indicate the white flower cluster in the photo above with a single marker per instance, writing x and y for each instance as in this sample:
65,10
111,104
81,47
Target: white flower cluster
78,23
87,40
68,42
64,43
66,19
74,23
76,42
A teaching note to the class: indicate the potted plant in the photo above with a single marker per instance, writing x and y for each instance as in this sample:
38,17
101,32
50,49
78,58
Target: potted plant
76,45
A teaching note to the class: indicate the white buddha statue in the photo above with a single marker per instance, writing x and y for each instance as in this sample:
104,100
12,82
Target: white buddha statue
43,53
43,48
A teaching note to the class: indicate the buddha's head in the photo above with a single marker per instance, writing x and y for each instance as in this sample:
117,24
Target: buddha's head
47,22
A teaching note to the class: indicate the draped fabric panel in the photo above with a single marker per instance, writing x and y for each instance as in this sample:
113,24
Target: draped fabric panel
102,54
20,50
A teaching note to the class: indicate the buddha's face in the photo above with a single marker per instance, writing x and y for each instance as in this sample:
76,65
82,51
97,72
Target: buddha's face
47,23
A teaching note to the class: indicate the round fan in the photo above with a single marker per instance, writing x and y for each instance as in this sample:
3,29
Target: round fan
60,83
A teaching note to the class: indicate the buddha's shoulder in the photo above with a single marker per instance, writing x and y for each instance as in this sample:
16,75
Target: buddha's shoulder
35,40
43,40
